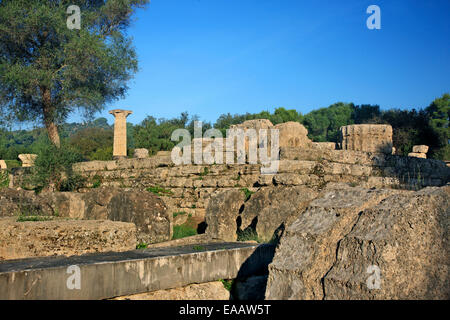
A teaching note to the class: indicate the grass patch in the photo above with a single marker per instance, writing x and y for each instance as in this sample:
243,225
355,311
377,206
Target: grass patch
179,213
247,193
13,164
199,248
23,218
183,231
96,181
159,191
227,284
248,235
205,172
142,245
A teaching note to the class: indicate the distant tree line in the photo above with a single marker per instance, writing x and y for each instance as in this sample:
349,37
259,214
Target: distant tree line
94,140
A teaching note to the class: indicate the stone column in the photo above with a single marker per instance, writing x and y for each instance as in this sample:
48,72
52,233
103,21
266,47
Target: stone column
367,137
120,132
27,159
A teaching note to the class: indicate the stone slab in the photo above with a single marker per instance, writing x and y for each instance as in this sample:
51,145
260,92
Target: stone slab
108,275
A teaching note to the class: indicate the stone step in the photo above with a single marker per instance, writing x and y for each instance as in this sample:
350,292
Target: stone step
107,275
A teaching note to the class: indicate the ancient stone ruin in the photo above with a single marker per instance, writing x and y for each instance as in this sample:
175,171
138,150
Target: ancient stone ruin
140,153
419,151
3,164
367,137
332,213
27,159
120,132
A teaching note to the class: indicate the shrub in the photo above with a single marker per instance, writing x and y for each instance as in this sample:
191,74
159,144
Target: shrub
247,193
159,191
4,179
53,169
183,231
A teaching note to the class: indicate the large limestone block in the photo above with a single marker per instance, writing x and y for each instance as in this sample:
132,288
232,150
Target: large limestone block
27,239
140,153
417,155
367,137
3,164
254,124
146,210
269,210
420,149
293,134
222,212
307,249
27,159
324,145
366,244
407,238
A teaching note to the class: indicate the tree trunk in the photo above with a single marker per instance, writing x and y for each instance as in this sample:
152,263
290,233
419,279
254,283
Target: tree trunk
49,121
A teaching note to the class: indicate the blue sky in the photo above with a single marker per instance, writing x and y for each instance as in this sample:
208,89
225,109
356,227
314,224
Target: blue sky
210,57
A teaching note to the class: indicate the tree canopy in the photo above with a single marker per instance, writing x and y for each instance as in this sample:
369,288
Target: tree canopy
48,70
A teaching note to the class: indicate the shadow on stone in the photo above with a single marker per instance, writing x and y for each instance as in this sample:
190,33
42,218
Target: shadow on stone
251,280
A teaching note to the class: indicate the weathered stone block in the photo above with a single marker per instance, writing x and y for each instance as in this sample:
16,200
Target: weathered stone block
308,247
63,237
140,153
27,159
367,137
420,149
417,155
293,134
221,214
268,210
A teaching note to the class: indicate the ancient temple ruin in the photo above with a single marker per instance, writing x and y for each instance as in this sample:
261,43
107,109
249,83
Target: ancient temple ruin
120,132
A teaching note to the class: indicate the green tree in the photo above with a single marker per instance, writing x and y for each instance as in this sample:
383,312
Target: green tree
48,70
439,114
92,142
324,124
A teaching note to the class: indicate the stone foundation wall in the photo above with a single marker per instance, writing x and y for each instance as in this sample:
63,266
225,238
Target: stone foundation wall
189,187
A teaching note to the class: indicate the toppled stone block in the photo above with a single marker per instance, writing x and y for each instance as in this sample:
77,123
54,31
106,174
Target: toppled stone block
417,155
366,244
27,239
3,164
367,137
420,149
324,145
254,124
146,210
406,239
140,153
221,214
268,211
308,247
293,134
27,159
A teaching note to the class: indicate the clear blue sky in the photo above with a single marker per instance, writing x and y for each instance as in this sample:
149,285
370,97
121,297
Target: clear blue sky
210,57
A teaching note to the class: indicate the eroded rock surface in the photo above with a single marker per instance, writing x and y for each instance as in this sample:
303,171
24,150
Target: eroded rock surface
143,208
63,237
221,214
326,252
271,209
